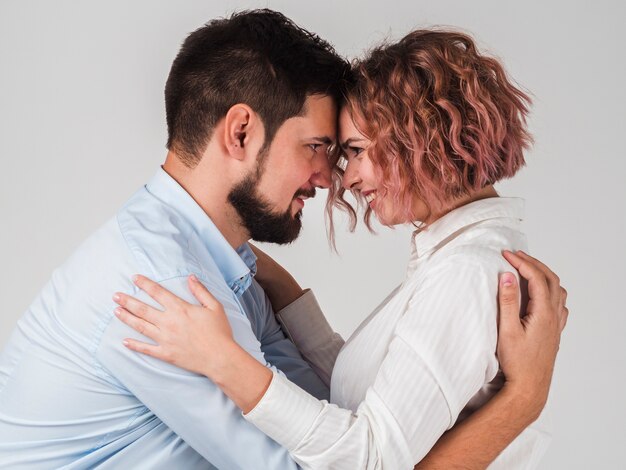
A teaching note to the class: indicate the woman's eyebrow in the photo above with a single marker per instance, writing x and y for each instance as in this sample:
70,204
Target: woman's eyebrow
346,143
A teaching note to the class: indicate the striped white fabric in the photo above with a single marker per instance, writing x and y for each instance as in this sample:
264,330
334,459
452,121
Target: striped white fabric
422,360
306,326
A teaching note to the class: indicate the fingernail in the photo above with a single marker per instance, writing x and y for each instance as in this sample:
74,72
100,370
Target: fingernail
506,280
116,297
135,278
125,342
117,311
194,278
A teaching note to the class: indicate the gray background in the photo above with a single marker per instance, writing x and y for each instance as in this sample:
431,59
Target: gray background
82,126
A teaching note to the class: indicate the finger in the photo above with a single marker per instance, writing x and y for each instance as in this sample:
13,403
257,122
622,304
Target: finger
144,348
201,293
564,315
537,283
139,325
545,269
563,301
138,308
554,283
509,305
156,291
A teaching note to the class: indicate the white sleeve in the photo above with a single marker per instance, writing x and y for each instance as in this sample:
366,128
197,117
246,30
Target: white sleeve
442,352
306,326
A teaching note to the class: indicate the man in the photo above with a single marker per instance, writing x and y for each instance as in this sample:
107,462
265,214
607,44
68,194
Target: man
251,107
251,112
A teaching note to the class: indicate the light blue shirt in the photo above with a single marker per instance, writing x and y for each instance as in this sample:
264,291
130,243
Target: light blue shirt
72,396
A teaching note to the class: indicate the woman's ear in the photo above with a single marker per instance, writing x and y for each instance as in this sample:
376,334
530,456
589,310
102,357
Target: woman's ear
241,130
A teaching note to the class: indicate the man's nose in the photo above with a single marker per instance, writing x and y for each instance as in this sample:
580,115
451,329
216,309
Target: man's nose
322,175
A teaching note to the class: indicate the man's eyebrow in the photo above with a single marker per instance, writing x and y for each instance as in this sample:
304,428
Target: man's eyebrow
323,139
346,143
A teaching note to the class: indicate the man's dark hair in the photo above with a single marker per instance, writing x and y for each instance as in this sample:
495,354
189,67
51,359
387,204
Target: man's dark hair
260,58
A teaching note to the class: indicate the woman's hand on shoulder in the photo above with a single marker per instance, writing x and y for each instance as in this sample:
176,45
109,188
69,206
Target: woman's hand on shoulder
195,337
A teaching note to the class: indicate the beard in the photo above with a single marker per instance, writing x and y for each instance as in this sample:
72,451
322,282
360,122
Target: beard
261,222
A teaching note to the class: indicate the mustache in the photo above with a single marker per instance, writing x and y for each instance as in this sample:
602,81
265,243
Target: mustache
305,193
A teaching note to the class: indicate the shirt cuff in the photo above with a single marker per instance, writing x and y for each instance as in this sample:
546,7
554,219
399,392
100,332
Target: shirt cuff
274,413
306,326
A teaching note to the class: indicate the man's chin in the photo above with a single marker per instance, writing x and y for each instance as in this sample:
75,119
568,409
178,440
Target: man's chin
280,232
263,224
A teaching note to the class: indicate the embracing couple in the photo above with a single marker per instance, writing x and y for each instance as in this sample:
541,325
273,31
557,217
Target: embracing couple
215,357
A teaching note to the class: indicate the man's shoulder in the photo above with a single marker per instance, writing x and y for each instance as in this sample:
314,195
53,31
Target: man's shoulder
162,242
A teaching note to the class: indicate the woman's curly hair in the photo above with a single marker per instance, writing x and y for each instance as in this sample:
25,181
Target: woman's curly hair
444,120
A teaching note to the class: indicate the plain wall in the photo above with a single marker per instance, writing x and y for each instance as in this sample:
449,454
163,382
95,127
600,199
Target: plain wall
82,126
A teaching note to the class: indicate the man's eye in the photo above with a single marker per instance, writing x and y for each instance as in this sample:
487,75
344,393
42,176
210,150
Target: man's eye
314,147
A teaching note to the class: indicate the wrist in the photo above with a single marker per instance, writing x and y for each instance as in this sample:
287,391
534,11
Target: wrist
217,366
281,290
241,377
525,400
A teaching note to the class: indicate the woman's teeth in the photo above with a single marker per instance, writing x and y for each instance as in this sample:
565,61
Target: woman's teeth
370,197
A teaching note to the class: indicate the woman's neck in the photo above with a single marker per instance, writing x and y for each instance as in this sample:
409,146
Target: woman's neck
484,193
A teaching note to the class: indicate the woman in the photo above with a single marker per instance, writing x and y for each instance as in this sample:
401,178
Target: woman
427,128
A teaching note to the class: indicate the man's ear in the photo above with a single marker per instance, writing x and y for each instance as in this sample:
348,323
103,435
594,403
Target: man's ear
242,129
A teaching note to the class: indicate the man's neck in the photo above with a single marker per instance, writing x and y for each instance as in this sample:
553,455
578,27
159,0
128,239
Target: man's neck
210,195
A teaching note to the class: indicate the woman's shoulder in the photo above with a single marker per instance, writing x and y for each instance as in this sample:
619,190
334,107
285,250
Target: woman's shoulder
480,245
471,259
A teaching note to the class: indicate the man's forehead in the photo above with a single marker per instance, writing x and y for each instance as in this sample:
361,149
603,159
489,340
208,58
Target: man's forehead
317,98
320,126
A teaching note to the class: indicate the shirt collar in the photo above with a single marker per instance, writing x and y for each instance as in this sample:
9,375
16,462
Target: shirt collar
236,266
424,240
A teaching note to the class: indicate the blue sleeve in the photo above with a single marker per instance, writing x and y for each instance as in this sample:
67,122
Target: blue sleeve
278,349
190,404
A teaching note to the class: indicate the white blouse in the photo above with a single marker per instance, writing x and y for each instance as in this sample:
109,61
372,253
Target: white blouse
425,358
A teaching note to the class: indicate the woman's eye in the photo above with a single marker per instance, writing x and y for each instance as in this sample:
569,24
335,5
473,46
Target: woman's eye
355,151
314,147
